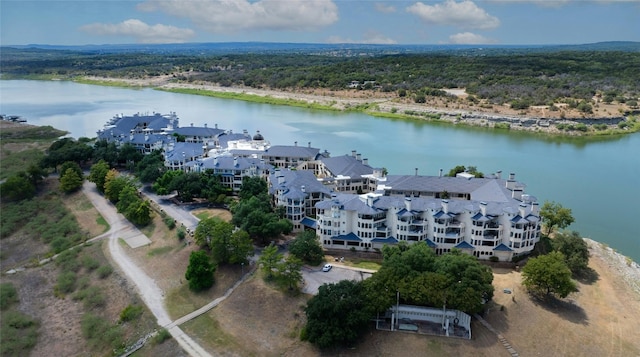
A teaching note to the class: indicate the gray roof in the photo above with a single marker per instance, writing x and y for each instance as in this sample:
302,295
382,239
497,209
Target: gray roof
230,163
346,165
198,131
294,181
353,202
189,150
481,189
292,151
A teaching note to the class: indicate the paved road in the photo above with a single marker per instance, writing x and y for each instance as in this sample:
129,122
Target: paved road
314,277
151,294
180,214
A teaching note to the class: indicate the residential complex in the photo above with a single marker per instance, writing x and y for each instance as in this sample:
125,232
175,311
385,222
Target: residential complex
350,205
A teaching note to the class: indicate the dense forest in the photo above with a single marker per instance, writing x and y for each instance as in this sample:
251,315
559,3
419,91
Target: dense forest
515,76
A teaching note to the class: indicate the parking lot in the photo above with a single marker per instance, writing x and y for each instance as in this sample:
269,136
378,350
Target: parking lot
314,277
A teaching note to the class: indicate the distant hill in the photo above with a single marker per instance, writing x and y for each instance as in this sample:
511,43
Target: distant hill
347,49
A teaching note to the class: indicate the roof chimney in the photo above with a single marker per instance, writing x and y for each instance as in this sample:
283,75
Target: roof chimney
511,182
499,174
205,125
295,143
483,208
407,203
440,173
365,161
309,144
445,206
517,193
416,171
359,157
353,153
522,209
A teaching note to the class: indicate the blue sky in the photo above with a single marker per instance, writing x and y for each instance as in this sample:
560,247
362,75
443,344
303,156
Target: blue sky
80,22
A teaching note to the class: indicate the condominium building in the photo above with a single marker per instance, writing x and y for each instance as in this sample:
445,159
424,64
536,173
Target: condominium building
484,217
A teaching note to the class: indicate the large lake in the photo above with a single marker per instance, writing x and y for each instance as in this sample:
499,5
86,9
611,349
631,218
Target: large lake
599,179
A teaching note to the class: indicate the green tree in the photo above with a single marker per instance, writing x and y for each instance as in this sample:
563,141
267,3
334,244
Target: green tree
106,151
252,186
307,248
289,272
574,249
71,165
422,278
66,149
127,198
139,213
98,174
151,167
549,275
268,260
129,155
554,215
338,315
70,181
240,247
37,174
200,271
456,170
163,185
17,187
257,218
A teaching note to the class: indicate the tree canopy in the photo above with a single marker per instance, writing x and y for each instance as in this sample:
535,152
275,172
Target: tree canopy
338,315
554,215
200,271
98,174
574,249
306,247
455,279
548,275
228,245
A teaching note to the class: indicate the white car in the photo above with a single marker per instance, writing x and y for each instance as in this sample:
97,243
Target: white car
327,267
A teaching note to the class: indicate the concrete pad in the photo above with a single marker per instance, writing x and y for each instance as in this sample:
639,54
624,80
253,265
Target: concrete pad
134,238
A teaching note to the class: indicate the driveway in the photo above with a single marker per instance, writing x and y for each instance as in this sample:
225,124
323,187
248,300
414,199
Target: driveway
183,216
314,277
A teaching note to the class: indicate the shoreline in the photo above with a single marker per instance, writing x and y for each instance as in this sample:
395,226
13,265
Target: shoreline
619,264
389,106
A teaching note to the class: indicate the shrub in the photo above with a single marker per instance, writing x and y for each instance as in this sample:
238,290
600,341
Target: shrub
494,259
19,333
130,313
90,263
162,336
66,283
104,271
181,234
8,295
91,297
170,222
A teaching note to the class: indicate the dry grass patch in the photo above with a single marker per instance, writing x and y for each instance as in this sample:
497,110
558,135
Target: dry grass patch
88,217
204,213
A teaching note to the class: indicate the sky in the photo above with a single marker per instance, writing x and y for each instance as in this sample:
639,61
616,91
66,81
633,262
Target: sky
506,22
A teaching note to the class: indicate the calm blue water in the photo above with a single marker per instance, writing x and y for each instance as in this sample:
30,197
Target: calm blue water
599,179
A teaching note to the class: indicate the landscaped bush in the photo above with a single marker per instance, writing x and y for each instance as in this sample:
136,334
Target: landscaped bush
162,336
170,222
99,333
18,333
90,263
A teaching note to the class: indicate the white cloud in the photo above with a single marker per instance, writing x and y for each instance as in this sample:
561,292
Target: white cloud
385,9
541,3
142,32
464,14
469,38
229,16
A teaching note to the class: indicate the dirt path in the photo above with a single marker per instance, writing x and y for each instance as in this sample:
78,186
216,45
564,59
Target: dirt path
149,291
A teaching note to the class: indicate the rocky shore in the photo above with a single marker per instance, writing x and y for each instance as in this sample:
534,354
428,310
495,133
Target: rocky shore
620,265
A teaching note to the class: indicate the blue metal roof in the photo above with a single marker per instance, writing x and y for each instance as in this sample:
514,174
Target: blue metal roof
309,222
430,243
464,245
502,248
349,237
388,240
